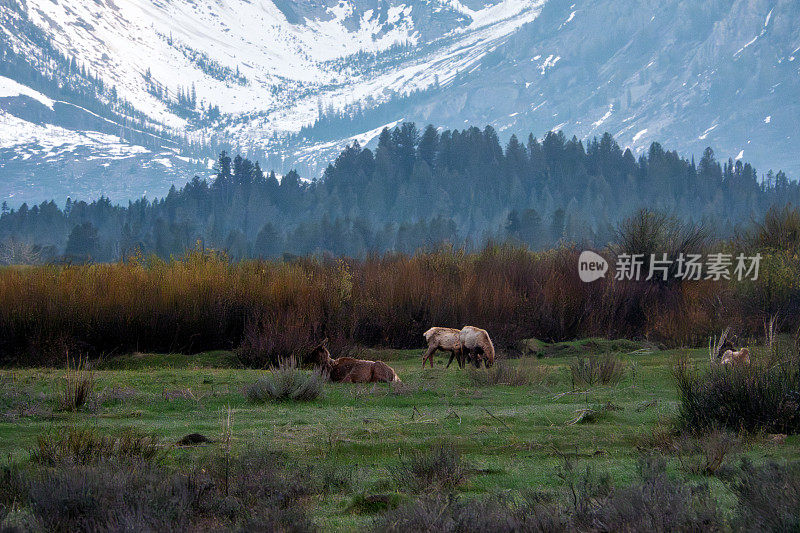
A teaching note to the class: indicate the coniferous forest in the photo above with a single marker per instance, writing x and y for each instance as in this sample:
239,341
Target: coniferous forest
416,189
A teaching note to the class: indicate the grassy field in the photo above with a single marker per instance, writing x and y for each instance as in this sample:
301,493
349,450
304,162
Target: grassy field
512,437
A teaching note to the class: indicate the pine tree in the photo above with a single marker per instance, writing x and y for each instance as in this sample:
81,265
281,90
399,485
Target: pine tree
83,242
428,145
557,225
269,243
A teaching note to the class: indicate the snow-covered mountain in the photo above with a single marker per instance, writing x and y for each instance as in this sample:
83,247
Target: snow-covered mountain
126,97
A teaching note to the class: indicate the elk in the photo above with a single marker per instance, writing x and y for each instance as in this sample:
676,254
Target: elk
351,370
445,339
742,357
477,346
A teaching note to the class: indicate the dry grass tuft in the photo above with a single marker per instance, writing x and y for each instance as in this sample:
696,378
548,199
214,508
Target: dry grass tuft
87,447
593,370
755,398
78,387
525,373
706,453
287,382
440,468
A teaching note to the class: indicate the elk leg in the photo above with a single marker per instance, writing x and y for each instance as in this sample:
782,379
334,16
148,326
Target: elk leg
476,356
428,355
452,356
465,355
459,355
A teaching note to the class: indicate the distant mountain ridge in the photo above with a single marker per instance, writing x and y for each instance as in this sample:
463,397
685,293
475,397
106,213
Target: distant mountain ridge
167,84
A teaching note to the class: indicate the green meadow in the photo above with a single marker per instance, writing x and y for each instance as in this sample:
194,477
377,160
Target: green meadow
513,438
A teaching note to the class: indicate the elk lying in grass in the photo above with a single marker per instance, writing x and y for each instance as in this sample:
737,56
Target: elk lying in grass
467,344
730,357
351,370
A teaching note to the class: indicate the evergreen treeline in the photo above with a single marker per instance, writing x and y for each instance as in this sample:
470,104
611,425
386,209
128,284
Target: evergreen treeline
416,189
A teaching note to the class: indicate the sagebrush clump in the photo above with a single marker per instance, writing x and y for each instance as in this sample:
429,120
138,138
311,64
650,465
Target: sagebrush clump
757,397
593,370
257,491
440,468
504,372
287,382
78,385
768,496
86,446
652,503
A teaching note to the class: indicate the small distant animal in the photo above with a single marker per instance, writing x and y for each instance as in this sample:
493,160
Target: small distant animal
193,439
726,346
477,346
446,340
351,370
730,357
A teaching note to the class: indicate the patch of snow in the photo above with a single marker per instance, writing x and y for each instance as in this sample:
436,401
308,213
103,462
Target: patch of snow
604,117
537,107
768,119
639,135
9,87
51,141
740,156
363,139
742,49
491,14
569,19
709,130
754,39
550,62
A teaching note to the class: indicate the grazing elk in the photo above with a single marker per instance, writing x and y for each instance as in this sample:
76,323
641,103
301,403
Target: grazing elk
445,339
351,370
477,346
742,357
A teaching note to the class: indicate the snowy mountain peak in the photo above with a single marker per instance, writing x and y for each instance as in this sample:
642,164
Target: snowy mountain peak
289,82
